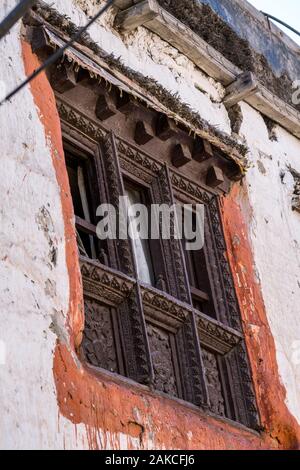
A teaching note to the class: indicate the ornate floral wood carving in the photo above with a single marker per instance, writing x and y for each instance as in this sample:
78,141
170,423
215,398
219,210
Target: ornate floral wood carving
232,316
98,339
113,179
189,189
244,396
214,384
103,284
164,308
77,119
134,161
161,353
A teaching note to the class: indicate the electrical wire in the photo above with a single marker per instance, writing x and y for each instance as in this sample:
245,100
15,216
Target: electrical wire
281,22
54,57
14,16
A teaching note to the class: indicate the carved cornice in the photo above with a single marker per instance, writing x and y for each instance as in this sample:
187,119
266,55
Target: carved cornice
133,160
168,311
216,336
164,308
189,189
103,284
77,119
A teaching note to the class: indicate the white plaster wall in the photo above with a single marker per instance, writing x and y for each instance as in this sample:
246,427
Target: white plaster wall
275,236
29,415
32,289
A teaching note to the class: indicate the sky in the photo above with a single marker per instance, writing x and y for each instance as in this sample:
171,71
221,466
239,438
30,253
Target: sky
286,10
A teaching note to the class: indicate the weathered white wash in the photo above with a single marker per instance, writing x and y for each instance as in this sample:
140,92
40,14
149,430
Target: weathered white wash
34,285
34,288
275,235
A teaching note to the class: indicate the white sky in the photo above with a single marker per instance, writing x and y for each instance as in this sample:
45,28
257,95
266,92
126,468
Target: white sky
286,10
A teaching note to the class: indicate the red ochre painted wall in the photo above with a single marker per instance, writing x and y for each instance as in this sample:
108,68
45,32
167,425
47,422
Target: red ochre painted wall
107,406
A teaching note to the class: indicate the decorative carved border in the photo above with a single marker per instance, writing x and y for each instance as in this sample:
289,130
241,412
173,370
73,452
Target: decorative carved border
136,162
163,308
103,284
229,295
191,190
239,362
77,119
216,336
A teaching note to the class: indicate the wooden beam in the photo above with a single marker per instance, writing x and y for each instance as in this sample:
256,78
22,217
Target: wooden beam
123,4
165,127
247,88
276,109
181,155
243,87
63,78
127,104
240,86
202,150
135,16
143,132
191,45
38,39
214,176
105,107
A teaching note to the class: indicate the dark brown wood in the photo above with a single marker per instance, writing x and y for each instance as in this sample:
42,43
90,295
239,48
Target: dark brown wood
64,78
127,104
85,226
165,127
199,294
202,150
214,382
163,361
39,40
214,176
181,155
144,132
105,106
98,324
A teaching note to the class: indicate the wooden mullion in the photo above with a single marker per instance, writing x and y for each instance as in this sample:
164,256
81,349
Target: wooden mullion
191,364
176,365
199,294
226,388
85,226
118,342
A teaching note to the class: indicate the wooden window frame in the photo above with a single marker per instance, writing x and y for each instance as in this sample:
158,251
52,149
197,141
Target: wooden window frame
222,336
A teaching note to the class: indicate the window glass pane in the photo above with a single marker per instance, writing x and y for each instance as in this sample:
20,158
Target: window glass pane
141,247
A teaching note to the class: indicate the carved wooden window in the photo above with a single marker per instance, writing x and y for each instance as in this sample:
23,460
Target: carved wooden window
155,312
80,172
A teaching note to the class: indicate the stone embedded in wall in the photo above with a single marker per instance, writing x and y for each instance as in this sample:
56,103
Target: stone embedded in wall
296,194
